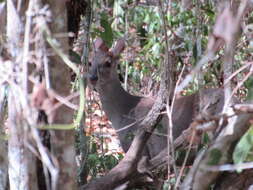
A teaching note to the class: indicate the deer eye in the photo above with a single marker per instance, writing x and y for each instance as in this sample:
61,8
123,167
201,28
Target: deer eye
107,64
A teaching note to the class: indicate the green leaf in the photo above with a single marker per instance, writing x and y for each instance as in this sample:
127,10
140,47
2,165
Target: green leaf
209,12
94,147
117,9
147,19
76,58
215,156
109,162
195,51
206,139
156,49
93,160
107,34
205,30
243,147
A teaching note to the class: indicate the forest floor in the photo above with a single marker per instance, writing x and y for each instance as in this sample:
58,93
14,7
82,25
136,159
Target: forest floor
99,127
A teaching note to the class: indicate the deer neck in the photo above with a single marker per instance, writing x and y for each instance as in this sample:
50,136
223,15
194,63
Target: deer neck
116,102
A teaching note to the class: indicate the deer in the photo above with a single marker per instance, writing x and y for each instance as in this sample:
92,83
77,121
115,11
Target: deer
125,111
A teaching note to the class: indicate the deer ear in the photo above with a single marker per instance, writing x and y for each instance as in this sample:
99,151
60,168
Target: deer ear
119,47
100,45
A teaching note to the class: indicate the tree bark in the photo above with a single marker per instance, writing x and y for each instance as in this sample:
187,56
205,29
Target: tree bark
62,142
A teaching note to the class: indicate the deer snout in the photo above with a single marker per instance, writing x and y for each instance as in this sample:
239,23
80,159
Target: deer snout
93,78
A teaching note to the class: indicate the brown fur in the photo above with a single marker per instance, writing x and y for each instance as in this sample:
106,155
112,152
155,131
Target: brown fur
126,111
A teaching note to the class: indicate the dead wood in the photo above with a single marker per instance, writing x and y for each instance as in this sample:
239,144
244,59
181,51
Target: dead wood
200,175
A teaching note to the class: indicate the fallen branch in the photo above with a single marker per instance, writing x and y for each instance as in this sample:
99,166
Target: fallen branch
127,169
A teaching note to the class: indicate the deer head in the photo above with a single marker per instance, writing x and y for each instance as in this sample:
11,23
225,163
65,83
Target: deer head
104,62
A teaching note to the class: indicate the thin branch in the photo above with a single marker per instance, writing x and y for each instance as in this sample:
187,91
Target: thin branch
63,101
28,24
46,69
168,78
47,159
205,58
54,44
231,40
80,110
231,167
229,52
249,74
238,71
185,160
199,178
243,108
170,109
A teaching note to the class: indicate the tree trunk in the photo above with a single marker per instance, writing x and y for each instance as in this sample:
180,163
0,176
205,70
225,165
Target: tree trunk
62,142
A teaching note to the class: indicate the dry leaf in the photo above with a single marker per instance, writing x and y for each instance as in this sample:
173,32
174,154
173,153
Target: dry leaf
42,100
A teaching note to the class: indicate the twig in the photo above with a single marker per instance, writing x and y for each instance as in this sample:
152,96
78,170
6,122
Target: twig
240,84
168,74
231,167
81,108
54,44
28,24
199,177
229,59
238,71
196,69
138,121
185,160
229,51
169,113
46,70
80,135
47,159
130,125
126,76
243,108
63,101
126,62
